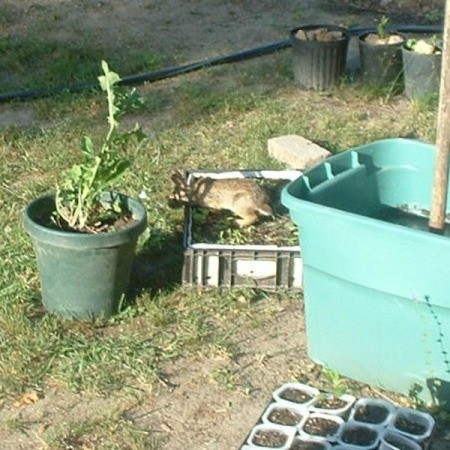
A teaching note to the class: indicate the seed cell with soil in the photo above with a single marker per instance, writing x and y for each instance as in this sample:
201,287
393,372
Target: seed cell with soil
283,415
322,425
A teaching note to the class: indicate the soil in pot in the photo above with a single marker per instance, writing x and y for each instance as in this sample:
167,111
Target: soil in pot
374,39
398,442
269,438
410,426
319,34
107,218
320,426
372,414
330,402
107,223
362,436
423,47
296,396
319,55
284,416
305,445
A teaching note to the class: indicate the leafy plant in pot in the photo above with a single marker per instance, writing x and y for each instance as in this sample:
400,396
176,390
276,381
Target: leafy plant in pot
84,233
381,57
422,61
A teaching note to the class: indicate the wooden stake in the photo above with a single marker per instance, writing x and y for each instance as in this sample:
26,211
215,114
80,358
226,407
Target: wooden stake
440,182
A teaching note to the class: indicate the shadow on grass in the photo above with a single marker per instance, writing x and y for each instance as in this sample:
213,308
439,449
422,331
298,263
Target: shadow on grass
36,309
46,64
158,265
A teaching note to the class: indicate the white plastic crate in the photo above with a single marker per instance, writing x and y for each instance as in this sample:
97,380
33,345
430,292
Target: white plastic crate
268,267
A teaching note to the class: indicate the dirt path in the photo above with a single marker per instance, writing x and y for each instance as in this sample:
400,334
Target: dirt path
187,31
201,404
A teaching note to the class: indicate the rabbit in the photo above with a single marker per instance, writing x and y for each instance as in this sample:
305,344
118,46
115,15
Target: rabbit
243,197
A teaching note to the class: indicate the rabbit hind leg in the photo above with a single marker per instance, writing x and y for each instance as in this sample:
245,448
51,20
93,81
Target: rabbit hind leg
247,221
247,216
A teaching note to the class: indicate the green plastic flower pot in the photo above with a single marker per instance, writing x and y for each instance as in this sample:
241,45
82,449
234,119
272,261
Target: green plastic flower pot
376,281
83,276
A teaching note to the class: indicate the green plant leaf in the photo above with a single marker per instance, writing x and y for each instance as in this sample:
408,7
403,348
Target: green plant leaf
78,197
410,44
87,146
109,79
382,27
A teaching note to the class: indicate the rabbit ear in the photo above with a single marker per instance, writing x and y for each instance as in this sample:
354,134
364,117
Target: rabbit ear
180,189
176,177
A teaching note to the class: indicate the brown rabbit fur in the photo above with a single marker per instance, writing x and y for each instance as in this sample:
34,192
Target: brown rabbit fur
243,197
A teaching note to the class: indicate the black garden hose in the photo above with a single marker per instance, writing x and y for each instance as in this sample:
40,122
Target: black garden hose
186,68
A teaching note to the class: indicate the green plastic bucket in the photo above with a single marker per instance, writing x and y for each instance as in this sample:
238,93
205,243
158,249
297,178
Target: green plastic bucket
376,281
83,276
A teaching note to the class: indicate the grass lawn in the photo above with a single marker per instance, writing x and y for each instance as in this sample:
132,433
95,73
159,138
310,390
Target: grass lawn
215,118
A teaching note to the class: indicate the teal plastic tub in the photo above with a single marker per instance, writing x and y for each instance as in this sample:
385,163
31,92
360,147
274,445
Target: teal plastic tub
376,281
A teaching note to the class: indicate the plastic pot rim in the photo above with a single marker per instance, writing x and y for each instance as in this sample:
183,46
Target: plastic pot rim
345,32
362,36
413,52
63,238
